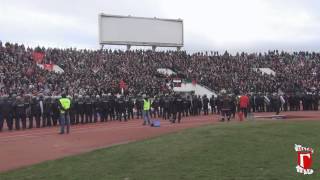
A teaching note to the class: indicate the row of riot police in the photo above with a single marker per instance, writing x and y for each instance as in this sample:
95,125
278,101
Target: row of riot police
269,102
43,111
86,109
28,111
288,102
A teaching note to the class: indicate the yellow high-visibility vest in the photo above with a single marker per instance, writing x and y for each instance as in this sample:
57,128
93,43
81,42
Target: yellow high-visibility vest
146,105
65,103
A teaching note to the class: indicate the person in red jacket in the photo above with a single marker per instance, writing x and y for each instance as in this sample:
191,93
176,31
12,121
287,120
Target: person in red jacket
244,104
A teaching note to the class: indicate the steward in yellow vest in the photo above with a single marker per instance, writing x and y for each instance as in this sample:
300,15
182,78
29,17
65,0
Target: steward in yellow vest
146,111
64,105
146,105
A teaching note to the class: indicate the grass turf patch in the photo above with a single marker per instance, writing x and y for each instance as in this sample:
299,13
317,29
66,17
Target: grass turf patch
250,150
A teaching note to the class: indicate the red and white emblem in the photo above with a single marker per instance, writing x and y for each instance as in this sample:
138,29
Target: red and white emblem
304,163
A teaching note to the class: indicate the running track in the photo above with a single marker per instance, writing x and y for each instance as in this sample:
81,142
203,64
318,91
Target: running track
27,147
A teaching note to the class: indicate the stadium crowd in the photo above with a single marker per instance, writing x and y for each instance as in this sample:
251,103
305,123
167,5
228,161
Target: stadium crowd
92,76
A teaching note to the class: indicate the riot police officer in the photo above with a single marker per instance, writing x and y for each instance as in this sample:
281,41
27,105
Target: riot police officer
55,110
72,112
121,109
155,105
88,109
6,107
212,104
130,106
27,102
97,105
81,109
1,118
75,109
47,111
36,112
112,104
20,112
177,108
205,102
104,108
139,107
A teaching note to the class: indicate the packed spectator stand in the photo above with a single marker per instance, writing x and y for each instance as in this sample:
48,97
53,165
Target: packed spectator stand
95,73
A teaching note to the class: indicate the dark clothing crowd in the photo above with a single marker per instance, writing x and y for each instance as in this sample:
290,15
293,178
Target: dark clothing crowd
96,72
91,74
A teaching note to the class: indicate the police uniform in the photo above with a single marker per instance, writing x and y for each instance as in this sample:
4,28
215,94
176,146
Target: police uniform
27,103
171,106
219,104
6,107
72,112
166,108
112,104
75,109
105,108
205,102
252,103
47,111
139,107
55,110
161,105
225,109
155,106
212,104
121,109
233,105
88,109
97,108
177,108
199,106
81,110
130,106
1,118
315,101
20,112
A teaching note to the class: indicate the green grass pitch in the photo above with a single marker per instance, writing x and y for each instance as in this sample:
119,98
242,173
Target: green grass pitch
226,151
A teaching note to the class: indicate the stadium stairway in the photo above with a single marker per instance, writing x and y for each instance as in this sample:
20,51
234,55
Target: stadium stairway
198,89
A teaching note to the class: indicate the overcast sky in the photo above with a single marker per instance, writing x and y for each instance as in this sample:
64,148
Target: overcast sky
234,25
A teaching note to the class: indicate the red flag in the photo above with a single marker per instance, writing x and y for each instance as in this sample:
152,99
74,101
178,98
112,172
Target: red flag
38,57
48,67
122,85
